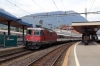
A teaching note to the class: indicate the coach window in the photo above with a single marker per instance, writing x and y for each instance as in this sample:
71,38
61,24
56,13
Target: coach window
29,32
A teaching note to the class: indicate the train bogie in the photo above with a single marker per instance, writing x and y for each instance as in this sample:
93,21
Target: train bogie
31,45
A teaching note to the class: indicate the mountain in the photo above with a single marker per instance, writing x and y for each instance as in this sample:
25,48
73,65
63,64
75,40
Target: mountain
54,20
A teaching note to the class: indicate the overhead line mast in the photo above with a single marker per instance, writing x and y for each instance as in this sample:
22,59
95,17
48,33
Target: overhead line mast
86,13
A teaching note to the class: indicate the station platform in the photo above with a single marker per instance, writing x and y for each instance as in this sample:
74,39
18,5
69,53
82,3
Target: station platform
83,55
10,48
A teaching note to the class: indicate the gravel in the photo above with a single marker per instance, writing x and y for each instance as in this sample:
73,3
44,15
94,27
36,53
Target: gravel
27,59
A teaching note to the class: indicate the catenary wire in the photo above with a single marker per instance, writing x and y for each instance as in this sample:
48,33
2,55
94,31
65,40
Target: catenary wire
57,9
63,5
65,10
18,7
91,6
38,5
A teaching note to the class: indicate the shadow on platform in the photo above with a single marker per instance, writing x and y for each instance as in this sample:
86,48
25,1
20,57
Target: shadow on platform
90,43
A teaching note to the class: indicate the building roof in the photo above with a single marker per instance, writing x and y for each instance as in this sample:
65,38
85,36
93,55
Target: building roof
4,18
91,23
91,26
68,28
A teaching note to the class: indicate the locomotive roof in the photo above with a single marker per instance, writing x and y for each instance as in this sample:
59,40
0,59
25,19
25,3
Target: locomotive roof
35,28
40,29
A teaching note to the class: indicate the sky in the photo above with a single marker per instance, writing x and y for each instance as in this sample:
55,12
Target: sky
21,8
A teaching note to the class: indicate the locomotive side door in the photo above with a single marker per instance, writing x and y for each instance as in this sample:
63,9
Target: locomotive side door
44,35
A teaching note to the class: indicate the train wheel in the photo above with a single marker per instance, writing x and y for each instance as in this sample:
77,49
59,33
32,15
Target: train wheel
26,45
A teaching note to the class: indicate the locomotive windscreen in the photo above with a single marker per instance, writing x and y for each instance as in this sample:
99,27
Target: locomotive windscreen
29,31
38,32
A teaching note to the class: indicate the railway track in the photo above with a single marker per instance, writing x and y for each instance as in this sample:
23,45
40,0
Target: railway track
45,57
10,56
51,58
6,53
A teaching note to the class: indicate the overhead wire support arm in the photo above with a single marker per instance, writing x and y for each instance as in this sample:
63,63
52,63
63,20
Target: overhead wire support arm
50,15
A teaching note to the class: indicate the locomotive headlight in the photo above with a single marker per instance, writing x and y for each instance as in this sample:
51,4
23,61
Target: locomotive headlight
27,39
36,40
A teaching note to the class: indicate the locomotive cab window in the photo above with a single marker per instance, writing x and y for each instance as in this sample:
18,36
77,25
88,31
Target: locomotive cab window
38,32
29,32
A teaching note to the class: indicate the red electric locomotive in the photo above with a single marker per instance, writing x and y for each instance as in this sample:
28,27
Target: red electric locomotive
39,37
